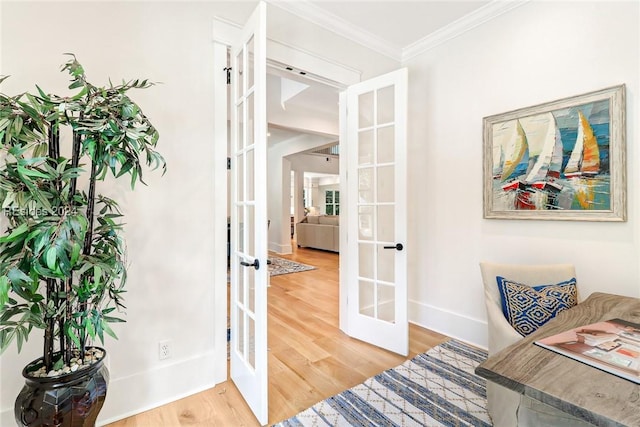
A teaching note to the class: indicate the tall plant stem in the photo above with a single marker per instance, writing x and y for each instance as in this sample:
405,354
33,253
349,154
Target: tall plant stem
88,238
48,331
75,160
52,285
90,207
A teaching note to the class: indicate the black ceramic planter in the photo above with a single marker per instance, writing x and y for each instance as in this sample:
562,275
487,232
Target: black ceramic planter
70,400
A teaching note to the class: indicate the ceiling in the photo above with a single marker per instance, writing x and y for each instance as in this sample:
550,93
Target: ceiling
389,27
392,27
399,23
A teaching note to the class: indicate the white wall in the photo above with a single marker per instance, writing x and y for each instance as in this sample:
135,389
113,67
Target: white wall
169,229
538,52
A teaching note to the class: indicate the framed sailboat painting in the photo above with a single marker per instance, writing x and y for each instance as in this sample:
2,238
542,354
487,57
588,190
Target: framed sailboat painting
562,160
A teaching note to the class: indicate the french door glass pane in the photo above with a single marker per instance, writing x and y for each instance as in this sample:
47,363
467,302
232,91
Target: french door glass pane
251,288
366,259
240,332
366,298
365,148
386,146
251,126
385,184
240,116
240,65
251,350
250,225
365,185
240,240
240,187
385,105
250,181
241,279
386,264
250,50
386,223
386,303
365,108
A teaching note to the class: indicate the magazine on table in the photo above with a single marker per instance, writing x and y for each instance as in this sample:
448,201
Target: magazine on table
612,346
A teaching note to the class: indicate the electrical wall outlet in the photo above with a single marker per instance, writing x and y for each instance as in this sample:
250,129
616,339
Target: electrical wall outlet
164,350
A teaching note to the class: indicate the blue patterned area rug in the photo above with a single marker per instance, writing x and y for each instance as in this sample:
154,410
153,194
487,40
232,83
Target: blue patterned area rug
436,388
280,266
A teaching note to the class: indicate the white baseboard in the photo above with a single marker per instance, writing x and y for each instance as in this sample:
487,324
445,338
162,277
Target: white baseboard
454,325
147,390
285,249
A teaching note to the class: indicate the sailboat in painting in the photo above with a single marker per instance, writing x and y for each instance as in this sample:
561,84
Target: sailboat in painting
547,167
534,179
516,159
585,157
540,171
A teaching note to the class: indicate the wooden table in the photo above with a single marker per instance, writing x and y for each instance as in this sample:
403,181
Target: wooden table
583,391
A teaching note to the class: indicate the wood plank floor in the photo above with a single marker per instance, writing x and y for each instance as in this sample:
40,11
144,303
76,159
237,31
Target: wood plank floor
310,359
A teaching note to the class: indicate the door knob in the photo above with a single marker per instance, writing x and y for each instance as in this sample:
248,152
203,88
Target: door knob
397,247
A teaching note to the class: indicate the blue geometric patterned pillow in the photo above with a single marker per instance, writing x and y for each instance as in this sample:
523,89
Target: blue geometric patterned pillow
529,307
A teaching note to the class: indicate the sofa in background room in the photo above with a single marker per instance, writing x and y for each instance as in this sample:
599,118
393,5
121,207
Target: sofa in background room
319,232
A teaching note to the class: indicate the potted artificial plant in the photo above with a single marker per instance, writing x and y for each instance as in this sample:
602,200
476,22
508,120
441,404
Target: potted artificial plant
62,258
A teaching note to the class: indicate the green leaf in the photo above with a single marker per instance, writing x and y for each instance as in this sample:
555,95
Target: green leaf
17,125
19,338
72,334
4,290
88,325
33,173
97,275
40,242
51,258
17,232
75,253
108,330
5,340
4,123
8,200
17,276
42,94
76,84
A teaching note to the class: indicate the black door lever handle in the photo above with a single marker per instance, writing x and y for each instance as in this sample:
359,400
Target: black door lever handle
397,247
255,264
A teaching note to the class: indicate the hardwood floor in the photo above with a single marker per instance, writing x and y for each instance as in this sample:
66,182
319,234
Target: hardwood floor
310,359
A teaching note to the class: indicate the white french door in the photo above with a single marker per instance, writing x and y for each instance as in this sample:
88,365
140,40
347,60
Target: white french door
249,215
376,251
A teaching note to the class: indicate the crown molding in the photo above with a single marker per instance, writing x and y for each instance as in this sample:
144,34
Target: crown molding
314,14
460,26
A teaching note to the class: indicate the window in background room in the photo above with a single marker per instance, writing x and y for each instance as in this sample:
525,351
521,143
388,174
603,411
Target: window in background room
332,202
